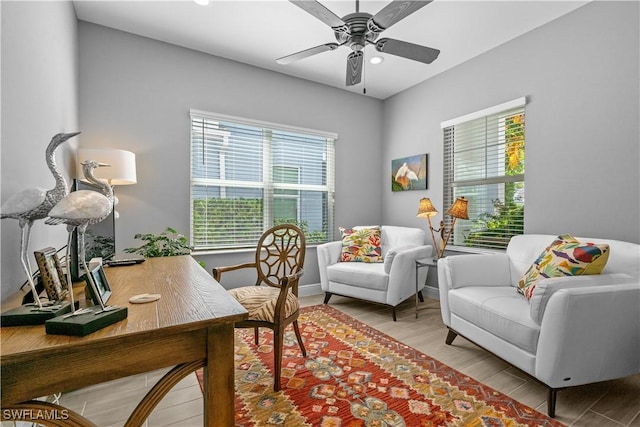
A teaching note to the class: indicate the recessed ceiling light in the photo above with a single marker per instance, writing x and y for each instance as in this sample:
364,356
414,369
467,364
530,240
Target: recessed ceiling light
376,59
202,2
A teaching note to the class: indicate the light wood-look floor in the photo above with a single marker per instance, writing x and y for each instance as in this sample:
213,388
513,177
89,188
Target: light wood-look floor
613,403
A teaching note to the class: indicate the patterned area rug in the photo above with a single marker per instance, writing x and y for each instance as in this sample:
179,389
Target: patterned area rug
354,375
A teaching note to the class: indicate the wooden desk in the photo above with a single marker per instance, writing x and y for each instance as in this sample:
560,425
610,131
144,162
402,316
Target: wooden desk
190,326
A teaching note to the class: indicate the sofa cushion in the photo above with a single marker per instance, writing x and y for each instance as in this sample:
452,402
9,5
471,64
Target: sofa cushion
498,310
365,275
361,245
565,256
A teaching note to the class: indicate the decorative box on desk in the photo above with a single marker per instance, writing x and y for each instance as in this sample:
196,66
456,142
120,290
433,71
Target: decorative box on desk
84,324
29,314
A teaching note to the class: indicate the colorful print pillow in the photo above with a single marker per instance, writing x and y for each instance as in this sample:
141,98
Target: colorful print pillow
361,245
565,256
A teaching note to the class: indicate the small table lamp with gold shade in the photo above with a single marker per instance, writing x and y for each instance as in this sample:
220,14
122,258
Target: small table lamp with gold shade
457,210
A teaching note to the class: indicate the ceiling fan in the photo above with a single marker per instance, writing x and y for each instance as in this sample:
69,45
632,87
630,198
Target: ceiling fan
360,29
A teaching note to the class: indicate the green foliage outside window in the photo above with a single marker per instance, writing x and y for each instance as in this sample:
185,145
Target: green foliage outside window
494,230
310,236
242,218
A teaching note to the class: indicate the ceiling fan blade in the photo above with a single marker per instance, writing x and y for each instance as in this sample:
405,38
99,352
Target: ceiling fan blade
407,50
307,53
322,13
354,68
394,12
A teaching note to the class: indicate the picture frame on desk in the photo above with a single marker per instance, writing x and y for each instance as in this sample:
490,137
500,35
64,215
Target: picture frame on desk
100,279
51,273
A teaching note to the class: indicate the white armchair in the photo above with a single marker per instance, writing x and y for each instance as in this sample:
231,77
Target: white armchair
390,282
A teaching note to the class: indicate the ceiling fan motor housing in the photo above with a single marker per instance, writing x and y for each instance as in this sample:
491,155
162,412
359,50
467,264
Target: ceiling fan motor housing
358,35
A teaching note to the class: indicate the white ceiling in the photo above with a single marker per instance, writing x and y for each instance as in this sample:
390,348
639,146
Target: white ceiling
259,32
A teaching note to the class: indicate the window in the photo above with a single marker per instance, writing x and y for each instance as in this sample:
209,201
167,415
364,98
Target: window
247,176
484,162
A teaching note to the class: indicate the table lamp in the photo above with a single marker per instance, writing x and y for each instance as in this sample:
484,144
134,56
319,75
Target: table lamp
457,210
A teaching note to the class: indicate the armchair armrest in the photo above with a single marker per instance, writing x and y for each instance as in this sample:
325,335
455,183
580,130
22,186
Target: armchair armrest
217,271
402,271
328,254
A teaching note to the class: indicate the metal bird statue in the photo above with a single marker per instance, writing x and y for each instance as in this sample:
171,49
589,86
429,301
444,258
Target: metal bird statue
32,204
79,210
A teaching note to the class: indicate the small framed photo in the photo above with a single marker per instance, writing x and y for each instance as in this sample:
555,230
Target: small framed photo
100,279
52,274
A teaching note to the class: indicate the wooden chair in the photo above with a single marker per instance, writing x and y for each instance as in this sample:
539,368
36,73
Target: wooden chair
273,301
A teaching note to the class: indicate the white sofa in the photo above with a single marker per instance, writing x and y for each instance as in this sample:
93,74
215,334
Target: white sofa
390,282
575,330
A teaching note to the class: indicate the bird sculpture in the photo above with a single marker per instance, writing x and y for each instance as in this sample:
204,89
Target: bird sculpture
78,210
32,204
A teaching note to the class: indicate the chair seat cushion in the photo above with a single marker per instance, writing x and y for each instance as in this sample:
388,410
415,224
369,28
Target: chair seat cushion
500,311
363,275
260,302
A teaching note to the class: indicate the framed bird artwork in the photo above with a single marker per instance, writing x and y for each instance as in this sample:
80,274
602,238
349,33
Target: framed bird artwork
409,173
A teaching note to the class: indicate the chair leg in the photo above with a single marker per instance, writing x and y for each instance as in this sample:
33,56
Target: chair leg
393,313
551,402
256,334
327,296
420,296
299,337
278,335
450,337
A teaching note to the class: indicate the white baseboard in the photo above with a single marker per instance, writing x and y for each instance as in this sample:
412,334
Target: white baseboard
315,289
430,292
310,289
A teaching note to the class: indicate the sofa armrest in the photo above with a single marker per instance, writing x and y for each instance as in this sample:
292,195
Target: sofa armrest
589,334
402,272
457,271
547,287
328,254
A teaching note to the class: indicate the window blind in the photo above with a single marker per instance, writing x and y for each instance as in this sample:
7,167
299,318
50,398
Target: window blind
247,176
484,157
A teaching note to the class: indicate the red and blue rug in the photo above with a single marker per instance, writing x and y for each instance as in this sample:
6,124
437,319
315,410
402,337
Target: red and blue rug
354,375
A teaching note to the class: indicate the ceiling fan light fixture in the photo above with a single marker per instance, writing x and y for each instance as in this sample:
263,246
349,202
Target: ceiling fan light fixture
376,60
202,2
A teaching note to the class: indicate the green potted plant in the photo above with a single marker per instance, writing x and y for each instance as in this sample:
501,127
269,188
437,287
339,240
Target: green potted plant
167,243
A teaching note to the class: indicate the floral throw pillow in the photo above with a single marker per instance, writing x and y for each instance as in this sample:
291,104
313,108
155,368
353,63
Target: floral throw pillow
361,245
565,256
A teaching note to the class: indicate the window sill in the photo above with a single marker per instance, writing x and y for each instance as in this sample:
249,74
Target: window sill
466,249
231,251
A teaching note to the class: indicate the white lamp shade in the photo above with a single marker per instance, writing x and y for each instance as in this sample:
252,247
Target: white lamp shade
122,169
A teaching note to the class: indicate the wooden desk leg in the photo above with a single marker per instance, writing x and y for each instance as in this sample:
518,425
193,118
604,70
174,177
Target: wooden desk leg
219,377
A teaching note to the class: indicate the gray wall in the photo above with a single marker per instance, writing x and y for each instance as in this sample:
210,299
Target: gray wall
136,94
581,76
39,99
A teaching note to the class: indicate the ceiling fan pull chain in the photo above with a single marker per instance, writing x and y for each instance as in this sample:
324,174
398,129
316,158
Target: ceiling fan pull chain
364,74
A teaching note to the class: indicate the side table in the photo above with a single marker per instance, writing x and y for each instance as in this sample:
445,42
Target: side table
420,263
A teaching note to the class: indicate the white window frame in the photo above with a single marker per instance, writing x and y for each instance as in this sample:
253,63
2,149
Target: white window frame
267,185
451,180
